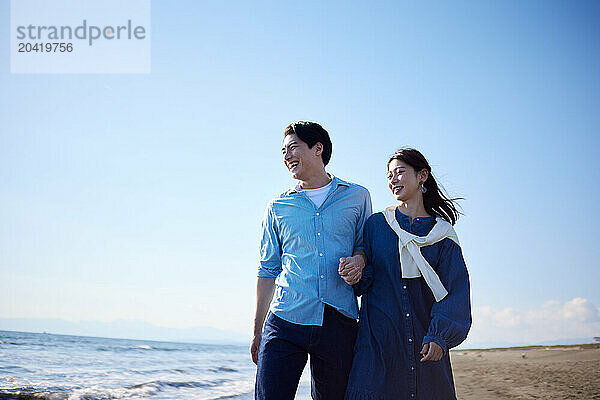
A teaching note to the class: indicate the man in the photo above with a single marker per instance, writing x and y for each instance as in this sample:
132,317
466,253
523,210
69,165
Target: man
308,233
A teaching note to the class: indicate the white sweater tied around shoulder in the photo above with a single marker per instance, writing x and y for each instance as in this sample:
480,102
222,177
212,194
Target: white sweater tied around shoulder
412,262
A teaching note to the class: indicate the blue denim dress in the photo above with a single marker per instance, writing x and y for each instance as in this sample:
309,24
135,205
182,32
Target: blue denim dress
398,315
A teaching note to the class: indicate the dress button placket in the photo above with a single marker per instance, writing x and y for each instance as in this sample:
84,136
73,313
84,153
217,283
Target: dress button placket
412,381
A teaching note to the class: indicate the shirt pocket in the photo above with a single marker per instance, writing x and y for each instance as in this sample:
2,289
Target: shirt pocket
296,231
343,222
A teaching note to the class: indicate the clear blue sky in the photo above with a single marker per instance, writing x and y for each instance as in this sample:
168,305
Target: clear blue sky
140,196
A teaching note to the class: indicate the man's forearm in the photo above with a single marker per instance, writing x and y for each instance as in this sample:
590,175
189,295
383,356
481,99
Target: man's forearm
265,287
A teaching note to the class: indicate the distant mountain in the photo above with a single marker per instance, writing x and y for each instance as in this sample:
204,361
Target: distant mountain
131,329
125,329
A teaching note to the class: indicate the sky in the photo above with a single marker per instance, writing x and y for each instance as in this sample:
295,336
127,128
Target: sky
139,196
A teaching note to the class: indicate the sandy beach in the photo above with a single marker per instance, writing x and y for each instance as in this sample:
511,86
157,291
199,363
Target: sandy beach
535,372
557,372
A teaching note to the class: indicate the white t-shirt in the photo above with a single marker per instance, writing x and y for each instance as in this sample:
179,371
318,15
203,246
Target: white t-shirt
318,195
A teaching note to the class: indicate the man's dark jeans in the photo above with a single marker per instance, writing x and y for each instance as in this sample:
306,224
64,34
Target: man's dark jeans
284,349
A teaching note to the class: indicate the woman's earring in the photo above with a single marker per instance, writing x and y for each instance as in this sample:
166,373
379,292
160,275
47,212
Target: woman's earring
423,188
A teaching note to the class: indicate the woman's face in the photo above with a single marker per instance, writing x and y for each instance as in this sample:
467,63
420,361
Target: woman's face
403,181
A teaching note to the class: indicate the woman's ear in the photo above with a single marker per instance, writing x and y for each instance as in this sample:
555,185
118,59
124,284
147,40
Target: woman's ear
423,175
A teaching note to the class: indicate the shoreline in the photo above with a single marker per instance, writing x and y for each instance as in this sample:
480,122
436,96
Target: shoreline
530,347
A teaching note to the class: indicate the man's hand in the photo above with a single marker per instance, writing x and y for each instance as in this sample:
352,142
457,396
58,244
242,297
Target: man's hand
265,287
432,352
254,346
350,268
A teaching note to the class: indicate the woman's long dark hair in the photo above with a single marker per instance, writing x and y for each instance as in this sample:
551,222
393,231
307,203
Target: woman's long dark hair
436,202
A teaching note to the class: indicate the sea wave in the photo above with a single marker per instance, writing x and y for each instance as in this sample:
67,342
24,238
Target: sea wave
142,390
58,367
122,349
222,369
15,369
25,395
13,343
238,396
159,385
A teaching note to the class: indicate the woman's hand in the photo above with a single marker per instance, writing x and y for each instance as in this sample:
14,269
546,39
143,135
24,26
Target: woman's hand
350,268
432,352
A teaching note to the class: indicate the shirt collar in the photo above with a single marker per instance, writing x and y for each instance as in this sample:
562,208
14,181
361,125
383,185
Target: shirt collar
335,182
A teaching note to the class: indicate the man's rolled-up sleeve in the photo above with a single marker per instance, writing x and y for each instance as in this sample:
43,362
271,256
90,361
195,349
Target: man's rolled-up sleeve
270,247
365,213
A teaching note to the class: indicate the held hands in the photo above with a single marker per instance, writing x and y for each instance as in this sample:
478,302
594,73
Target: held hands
432,352
350,268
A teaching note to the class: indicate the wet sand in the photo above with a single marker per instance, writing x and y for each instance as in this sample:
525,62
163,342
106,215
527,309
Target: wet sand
557,372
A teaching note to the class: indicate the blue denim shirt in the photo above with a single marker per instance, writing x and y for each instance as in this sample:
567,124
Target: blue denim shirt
301,246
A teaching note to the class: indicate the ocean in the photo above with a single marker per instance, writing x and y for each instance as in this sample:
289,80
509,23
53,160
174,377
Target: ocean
47,366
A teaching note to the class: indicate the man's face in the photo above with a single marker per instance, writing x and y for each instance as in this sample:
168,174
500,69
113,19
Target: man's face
299,159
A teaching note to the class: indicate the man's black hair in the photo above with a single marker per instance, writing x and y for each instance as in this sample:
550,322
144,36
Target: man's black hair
311,133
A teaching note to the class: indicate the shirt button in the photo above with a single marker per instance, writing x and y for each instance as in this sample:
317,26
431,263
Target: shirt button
322,298
321,254
412,368
410,339
322,276
407,314
318,233
412,395
404,287
317,214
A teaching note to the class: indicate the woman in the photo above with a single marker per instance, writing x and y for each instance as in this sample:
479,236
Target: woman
415,291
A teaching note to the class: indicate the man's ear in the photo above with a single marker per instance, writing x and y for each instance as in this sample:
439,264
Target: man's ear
318,148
